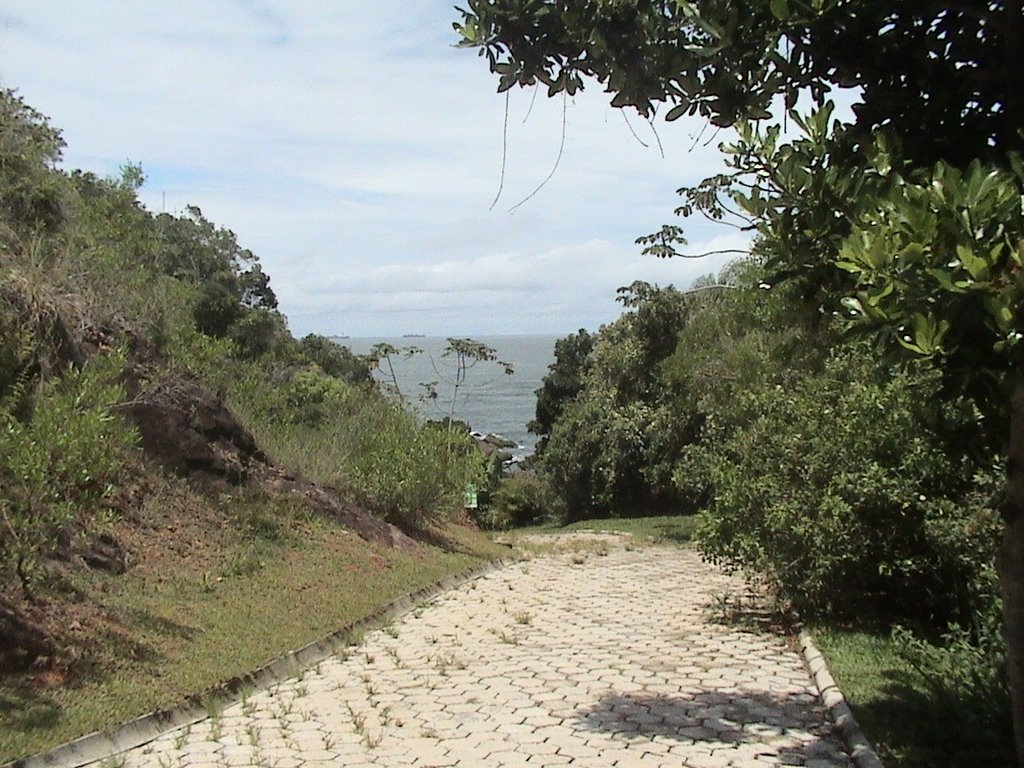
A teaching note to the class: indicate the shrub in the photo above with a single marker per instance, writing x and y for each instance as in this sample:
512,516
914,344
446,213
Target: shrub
837,492
335,360
310,397
33,196
405,471
524,499
58,466
256,332
216,309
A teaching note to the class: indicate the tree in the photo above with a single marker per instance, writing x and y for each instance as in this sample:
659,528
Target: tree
463,355
335,359
33,195
910,216
611,449
387,352
233,288
563,382
108,216
943,75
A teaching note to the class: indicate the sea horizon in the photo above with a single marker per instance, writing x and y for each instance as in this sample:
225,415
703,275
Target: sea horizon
490,401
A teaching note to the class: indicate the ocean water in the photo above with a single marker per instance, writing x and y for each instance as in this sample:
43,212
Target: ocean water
489,400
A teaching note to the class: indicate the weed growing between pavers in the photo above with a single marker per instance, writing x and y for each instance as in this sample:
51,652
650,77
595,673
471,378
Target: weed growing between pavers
181,738
504,637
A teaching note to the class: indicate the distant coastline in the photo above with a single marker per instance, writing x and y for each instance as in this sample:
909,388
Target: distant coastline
489,401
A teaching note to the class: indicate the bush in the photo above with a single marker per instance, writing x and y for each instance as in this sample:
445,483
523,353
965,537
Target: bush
310,397
216,309
524,499
256,332
596,456
335,359
838,493
408,472
57,468
355,439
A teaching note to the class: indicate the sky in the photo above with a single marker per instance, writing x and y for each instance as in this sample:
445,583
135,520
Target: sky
358,153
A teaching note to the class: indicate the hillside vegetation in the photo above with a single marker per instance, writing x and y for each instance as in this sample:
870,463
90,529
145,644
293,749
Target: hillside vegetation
176,467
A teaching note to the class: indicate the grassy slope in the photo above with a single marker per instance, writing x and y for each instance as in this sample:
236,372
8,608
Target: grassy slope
180,624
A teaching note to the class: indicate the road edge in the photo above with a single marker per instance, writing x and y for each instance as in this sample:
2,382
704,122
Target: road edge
860,749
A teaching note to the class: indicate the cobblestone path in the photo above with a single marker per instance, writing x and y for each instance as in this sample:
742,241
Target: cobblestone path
619,657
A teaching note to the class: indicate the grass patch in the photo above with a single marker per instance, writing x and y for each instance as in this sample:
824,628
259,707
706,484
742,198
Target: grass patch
175,633
904,718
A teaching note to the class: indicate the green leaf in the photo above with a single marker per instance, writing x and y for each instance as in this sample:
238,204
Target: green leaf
943,278
849,266
676,112
999,311
875,299
621,99
928,334
780,9
976,266
853,304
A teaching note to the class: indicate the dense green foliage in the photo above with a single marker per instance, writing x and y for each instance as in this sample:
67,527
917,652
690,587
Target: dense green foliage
612,425
521,500
562,384
808,462
939,74
835,488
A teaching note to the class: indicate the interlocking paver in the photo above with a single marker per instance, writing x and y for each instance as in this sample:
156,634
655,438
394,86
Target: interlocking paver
622,659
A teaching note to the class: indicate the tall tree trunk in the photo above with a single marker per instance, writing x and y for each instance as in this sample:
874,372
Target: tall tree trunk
1011,560
1013,53
1011,555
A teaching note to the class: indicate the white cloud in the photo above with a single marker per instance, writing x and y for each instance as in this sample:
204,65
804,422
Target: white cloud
357,153
559,289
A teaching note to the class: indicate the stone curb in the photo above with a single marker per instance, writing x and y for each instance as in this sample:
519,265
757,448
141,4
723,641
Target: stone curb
145,728
861,751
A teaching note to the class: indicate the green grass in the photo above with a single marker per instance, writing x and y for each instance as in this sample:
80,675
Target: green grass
677,529
905,719
180,634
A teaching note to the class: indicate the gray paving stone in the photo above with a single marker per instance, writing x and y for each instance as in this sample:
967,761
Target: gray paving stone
616,661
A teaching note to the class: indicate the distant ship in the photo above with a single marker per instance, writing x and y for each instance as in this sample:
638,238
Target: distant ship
413,335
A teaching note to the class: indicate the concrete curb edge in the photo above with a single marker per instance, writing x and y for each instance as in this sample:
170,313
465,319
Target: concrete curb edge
861,751
145,728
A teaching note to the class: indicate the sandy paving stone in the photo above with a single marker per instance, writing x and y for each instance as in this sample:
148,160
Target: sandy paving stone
628,657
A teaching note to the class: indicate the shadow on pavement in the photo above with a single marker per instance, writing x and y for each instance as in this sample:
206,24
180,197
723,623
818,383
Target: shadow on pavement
717,717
